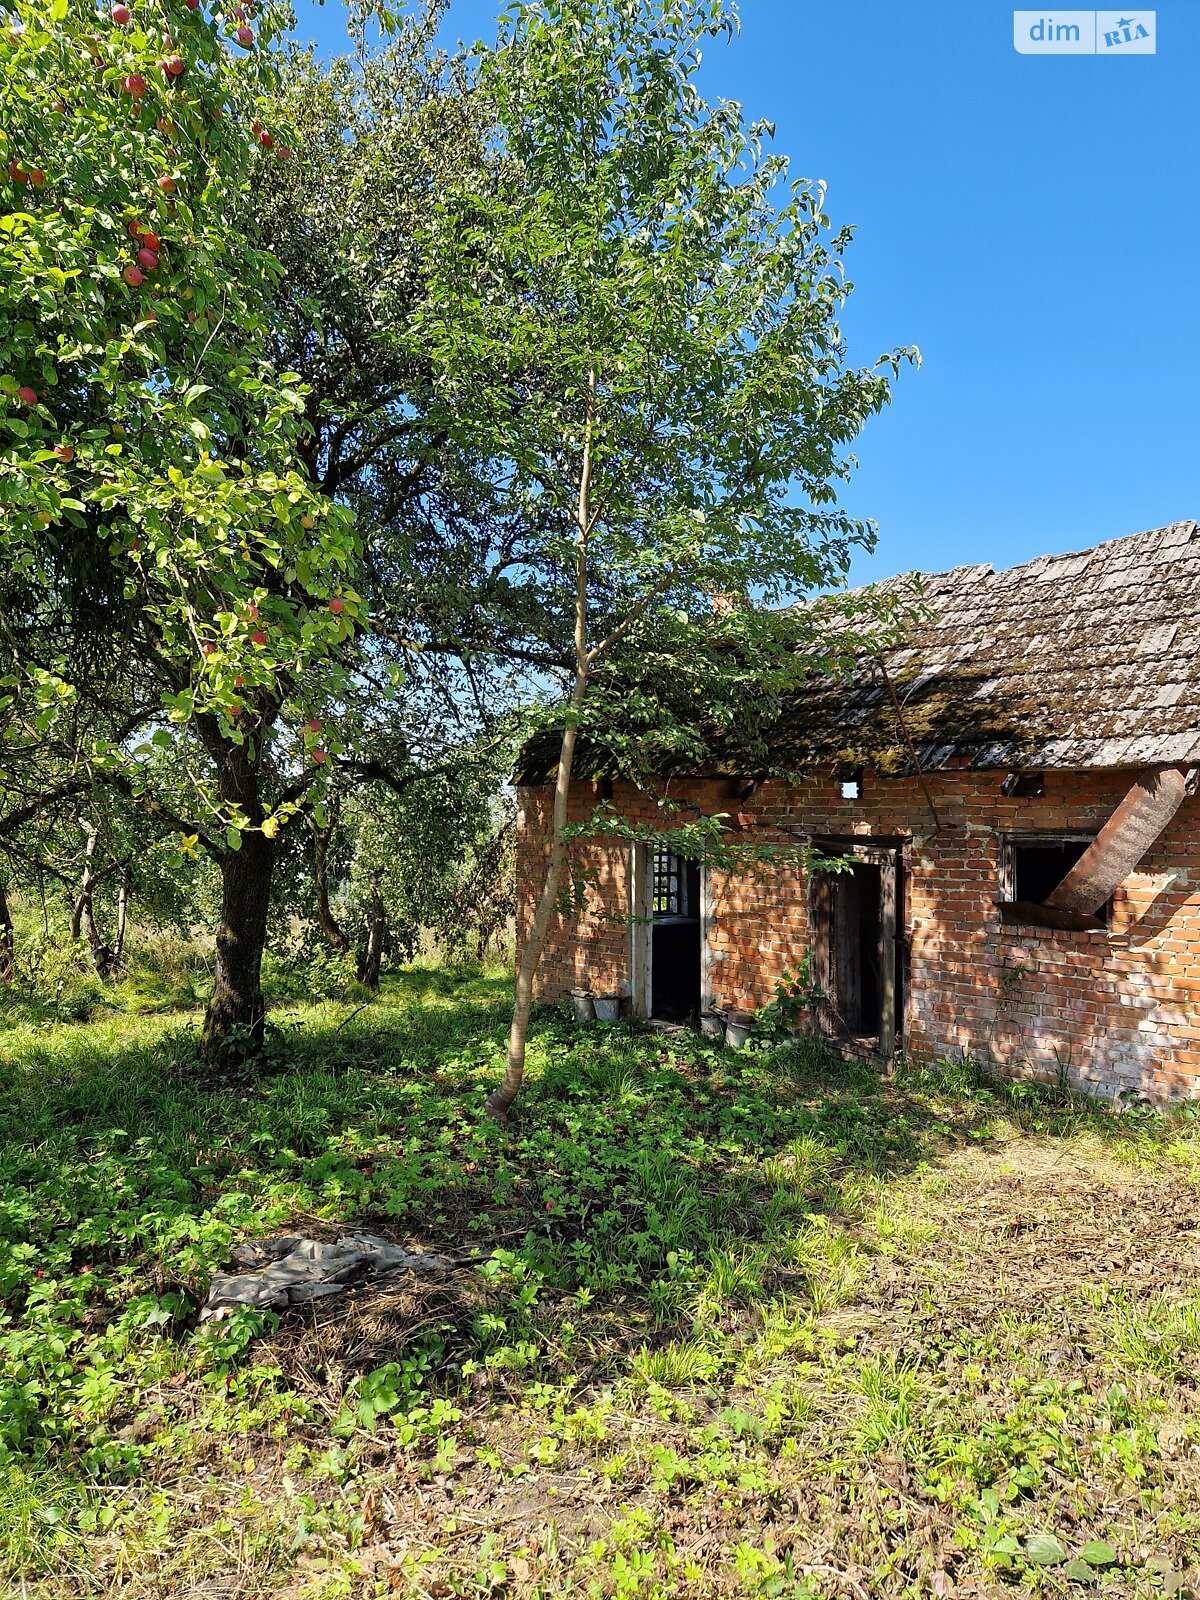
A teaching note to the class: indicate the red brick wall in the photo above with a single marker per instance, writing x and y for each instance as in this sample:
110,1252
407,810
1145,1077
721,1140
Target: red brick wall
1115,1010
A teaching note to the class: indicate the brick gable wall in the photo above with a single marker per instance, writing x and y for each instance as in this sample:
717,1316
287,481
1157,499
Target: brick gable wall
1115,1010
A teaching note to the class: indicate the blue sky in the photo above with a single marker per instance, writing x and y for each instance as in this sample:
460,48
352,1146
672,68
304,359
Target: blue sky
1031,222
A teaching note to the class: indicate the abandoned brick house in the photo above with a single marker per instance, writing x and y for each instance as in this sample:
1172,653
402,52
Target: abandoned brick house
1028,893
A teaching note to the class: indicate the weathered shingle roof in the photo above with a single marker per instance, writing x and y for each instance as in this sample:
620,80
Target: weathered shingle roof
1084,660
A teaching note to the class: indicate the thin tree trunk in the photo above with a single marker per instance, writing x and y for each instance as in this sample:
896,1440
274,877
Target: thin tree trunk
321,837
501,1098
84,915
246,876
8,954
122,918
372,957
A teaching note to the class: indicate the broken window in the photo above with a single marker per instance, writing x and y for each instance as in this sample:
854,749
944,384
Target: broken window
1033,866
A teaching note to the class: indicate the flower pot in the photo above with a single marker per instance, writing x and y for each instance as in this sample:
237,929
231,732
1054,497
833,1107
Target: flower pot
738,1026
712,1025
585,1006
608,1007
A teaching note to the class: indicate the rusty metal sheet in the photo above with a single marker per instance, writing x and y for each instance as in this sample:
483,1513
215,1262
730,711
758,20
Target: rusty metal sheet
1122,841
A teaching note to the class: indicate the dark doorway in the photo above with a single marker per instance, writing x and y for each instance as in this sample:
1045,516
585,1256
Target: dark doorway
854,950
674,937
854,922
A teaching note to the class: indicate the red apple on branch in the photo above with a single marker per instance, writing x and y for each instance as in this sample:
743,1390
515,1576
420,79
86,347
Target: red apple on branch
64,452
258,637
27,396
133,83
147,258
337,605
134,276
245,36
120,15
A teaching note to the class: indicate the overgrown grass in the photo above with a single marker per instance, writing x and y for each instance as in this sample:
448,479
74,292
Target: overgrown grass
760,1324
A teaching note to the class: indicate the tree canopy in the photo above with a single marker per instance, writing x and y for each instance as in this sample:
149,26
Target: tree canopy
632,317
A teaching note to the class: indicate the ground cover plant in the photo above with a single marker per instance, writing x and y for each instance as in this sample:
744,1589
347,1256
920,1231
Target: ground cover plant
757,1324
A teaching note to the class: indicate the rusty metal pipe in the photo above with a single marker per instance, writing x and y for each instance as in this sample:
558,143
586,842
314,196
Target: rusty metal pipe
1123,840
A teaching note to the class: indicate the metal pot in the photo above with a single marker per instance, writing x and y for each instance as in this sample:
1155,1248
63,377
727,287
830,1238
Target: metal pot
585,1006
738,1026
608,1007
712,1025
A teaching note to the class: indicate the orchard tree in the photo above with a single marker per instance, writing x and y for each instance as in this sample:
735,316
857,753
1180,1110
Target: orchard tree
633,320
174,582
380,135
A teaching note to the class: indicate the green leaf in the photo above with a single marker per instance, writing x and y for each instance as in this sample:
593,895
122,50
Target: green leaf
1079,1572
1044,1549
1099,1553
233,838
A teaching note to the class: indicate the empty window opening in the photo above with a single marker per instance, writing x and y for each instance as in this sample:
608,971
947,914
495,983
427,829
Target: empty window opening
675,937
1035,867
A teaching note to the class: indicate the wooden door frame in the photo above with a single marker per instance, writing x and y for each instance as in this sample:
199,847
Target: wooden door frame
641,909
888,856
641,943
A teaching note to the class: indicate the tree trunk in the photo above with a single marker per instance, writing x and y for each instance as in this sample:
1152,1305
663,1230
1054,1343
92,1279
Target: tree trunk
237,997
122,919
372,956
501,1098
321,837
8,962
85,907
246,875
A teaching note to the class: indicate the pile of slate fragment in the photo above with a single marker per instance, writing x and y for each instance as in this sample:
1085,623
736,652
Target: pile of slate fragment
291,1270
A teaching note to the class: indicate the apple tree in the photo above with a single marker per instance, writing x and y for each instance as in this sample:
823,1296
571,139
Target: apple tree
178,610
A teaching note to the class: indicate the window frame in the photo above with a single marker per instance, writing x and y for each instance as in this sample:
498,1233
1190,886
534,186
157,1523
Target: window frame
672,873
1050,838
